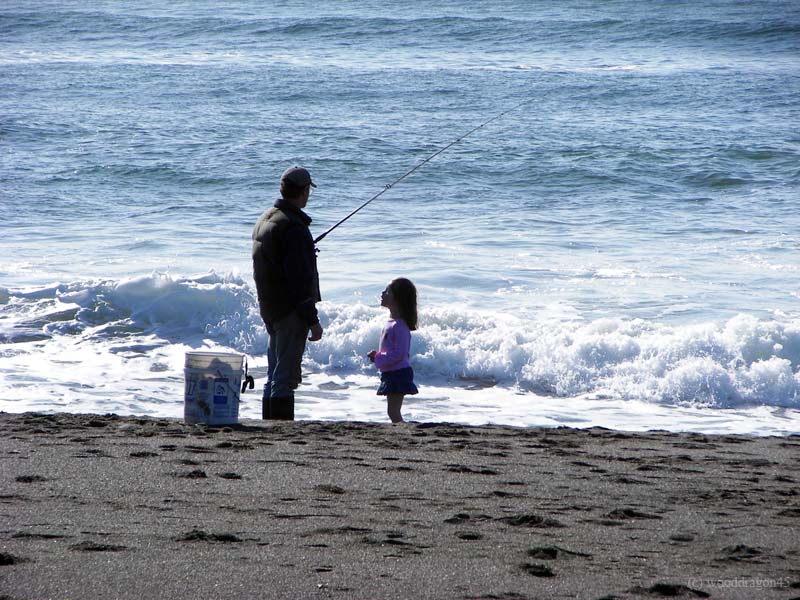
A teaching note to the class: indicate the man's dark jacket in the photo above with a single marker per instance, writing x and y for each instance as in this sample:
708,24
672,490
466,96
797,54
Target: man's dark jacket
285,264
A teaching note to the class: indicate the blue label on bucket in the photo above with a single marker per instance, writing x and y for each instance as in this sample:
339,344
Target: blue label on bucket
221,390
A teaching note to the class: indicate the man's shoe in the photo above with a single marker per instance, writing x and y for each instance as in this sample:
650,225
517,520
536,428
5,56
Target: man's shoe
282,408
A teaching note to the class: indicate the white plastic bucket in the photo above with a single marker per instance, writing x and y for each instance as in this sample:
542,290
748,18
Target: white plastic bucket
213,383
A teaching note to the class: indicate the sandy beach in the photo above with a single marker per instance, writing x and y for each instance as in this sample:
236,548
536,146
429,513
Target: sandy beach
124,507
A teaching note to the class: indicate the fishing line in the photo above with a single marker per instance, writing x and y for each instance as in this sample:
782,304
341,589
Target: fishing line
389,186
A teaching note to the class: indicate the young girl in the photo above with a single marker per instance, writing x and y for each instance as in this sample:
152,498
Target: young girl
392,359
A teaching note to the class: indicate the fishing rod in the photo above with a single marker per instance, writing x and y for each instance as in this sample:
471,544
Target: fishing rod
389,186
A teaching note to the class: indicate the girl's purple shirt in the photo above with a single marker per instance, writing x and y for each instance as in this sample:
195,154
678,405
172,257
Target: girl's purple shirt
395,346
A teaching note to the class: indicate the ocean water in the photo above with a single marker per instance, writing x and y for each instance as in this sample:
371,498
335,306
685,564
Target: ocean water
620,250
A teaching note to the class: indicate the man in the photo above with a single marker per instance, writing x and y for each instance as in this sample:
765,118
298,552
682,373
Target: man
287,282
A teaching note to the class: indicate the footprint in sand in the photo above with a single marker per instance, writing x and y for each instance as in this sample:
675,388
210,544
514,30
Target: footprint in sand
7,559
532,521
31,479
198,535
553,553
196,474
95,547
670,590
537,570
740,552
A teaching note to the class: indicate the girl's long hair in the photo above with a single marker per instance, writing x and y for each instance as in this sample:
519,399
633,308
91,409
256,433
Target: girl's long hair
406,295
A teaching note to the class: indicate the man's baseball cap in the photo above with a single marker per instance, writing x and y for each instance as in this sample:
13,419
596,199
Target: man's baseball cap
298,176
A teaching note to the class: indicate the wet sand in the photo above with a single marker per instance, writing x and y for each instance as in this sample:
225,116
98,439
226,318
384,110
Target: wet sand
110,507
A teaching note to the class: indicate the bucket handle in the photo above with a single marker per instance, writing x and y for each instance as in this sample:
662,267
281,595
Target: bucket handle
248,379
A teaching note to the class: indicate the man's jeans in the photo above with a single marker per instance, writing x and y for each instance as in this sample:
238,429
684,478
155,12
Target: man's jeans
287,341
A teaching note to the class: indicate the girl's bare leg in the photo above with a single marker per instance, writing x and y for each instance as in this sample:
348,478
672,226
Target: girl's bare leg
395,403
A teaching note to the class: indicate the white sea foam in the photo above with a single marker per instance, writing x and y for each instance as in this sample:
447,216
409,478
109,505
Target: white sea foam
119,345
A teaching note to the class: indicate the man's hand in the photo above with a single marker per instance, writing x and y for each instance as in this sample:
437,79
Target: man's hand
316,333
371,355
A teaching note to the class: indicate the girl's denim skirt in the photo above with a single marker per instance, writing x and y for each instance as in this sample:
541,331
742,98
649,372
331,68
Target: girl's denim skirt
400,381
